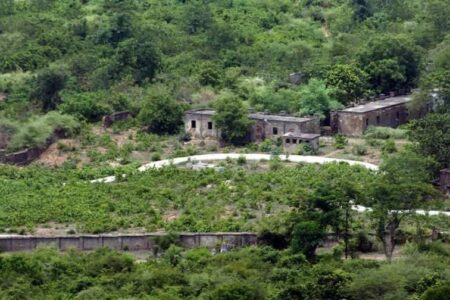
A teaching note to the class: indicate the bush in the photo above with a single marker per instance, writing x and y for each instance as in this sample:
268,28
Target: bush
389,146
440,292
385,133
84,106
305,149
340,141
266,146
359,149
373,142
237,291
37,131
156,156
161,114
241,160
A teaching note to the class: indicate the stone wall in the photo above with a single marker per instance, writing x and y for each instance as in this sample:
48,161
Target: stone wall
355,123
203,123
444,181
108,120
124,242
205,127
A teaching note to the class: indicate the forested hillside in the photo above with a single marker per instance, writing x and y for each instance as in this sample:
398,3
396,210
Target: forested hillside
89,57
331,231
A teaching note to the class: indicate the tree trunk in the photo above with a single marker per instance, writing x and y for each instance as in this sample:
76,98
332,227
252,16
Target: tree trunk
389,238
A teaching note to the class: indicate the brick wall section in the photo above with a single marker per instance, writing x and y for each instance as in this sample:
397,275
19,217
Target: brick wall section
124,242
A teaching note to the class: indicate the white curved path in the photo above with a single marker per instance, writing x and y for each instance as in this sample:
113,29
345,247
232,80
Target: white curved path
250,157
259,157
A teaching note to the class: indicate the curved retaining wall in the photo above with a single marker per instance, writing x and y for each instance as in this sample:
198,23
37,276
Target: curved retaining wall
124,242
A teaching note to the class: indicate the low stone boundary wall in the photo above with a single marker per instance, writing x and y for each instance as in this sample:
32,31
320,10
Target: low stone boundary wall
124,242
25,157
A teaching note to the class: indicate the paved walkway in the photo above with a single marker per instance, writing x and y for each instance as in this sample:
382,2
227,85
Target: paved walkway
250,157
259,157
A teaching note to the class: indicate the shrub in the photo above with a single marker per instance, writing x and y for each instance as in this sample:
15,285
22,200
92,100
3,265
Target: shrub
266,146
156,156
237,290
305,149
359,149
340,141
162,114
385,133
439,292
389,146
30,135
241,160
84,106
373,142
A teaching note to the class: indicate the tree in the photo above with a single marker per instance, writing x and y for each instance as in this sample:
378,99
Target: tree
47,85
401,186
306,237
237,290
231,118
197,16
348,82
392,62
7,7
437,85
432,137
161,114
362,10
84,106
315,100
438,292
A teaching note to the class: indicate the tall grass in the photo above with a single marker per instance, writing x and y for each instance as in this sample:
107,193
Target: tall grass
36,131
385,133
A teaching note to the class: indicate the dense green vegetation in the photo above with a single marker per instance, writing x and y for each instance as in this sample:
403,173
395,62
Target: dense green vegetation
88,58
202,201
65,64
254,273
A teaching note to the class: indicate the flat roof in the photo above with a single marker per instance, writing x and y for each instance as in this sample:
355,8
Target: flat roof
255,116
306,136
380,104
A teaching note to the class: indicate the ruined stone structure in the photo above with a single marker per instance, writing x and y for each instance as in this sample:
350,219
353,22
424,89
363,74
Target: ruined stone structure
108,120
200,124
444,181
291,141
125,242
4,138
27,156
388,112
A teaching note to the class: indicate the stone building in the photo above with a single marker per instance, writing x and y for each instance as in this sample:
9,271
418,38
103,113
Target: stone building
291,141
200,124
444,181
389,112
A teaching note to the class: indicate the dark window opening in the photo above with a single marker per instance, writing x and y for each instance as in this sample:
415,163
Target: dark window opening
378,120
398,115
288,141
367,122
294,141
275,131
193,124
210,125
